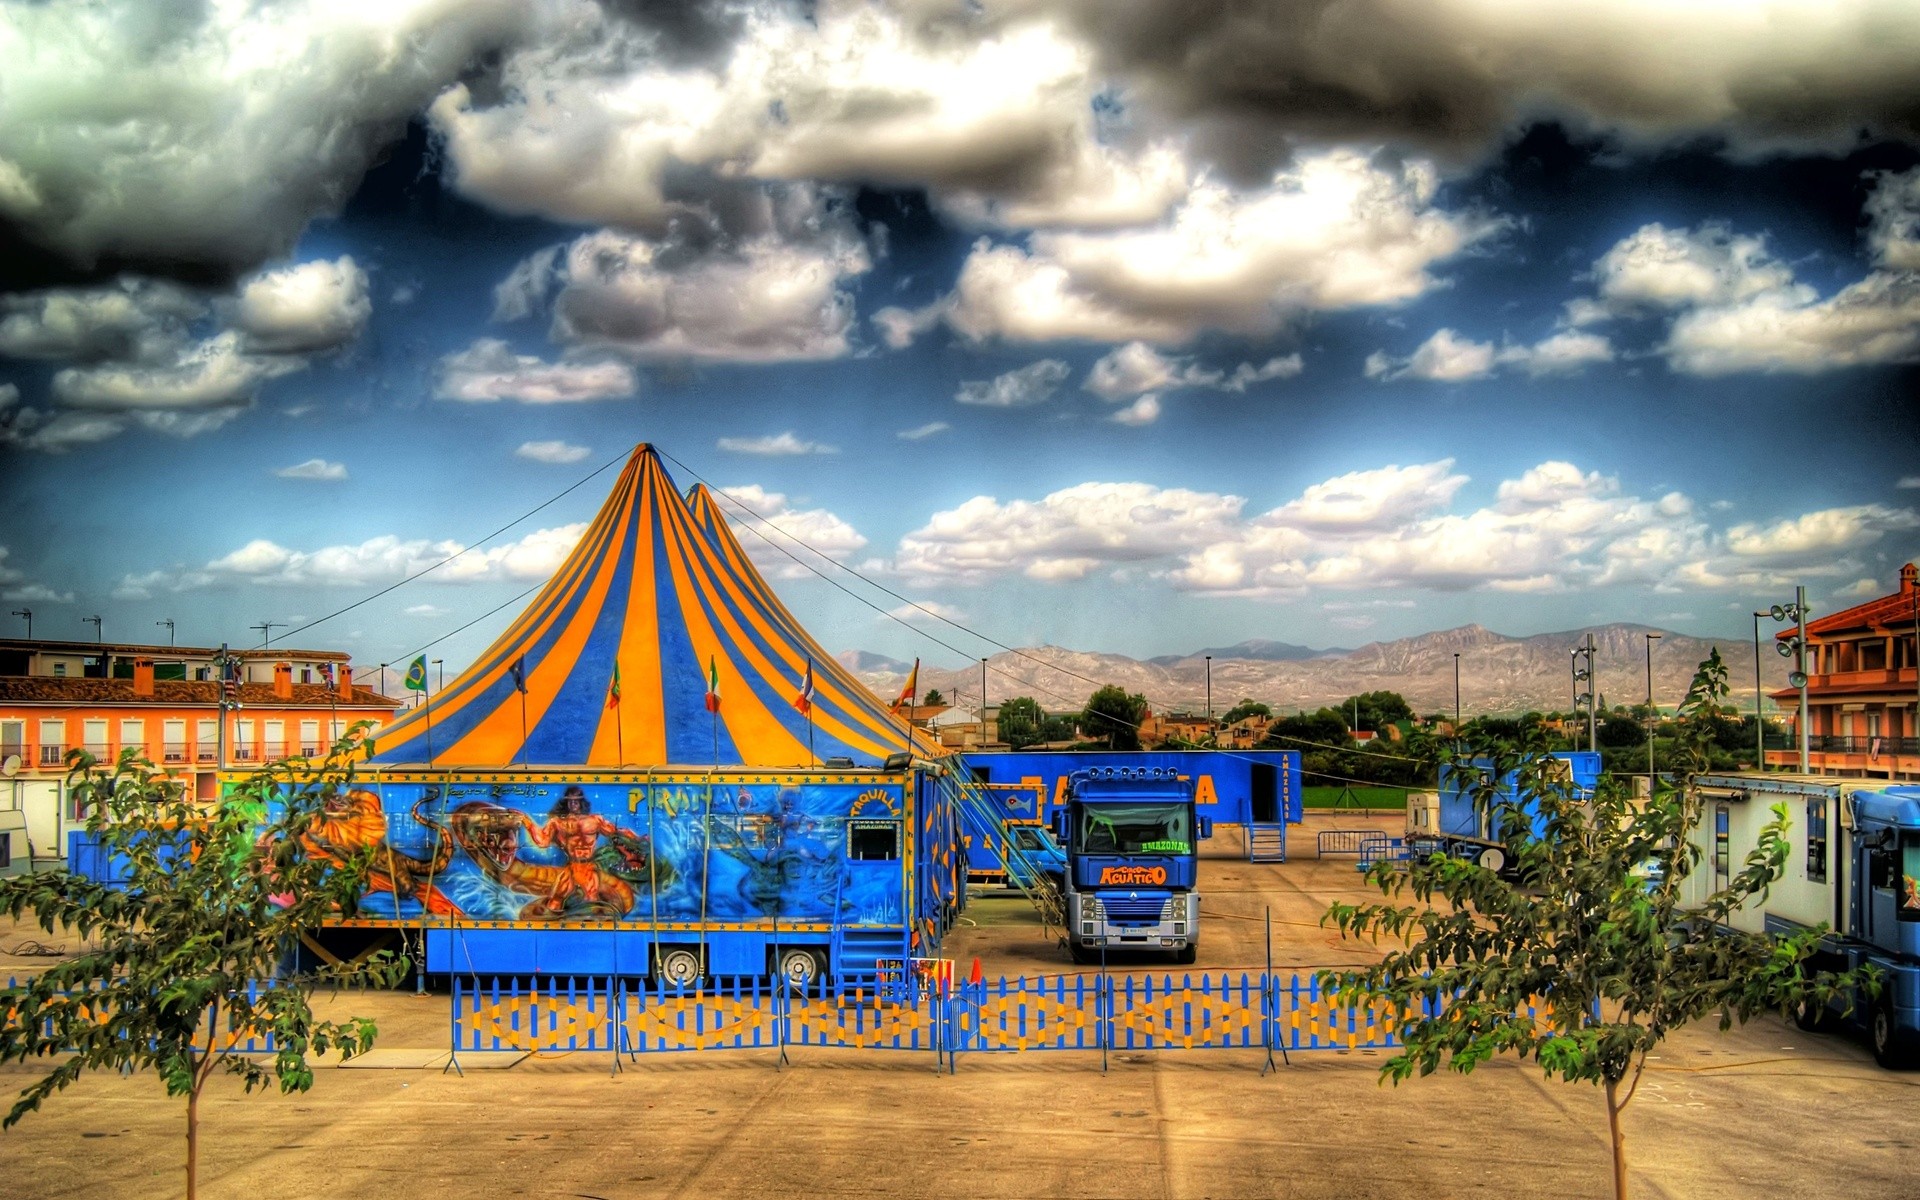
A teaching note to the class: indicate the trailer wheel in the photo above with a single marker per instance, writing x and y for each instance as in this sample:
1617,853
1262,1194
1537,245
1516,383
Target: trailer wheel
799,968
1892,1049
677,966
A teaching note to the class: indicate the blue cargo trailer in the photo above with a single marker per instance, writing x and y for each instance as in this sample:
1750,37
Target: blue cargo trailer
1470,828
1026,787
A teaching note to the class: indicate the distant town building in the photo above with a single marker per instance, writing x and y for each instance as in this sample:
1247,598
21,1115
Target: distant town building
164,701
1862,702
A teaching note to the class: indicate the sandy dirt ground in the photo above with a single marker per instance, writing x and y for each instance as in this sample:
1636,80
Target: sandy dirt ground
1730,1115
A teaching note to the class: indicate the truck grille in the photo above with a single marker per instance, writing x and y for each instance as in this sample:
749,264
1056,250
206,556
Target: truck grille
1126,911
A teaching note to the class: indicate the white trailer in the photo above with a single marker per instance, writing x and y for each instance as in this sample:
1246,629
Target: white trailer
1813,889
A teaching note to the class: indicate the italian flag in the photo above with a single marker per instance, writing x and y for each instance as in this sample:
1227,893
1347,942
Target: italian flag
713,685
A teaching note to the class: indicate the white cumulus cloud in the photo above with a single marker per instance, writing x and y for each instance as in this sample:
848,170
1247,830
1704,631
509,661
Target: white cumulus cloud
555,452
489,371
1023,386
774,445
308,307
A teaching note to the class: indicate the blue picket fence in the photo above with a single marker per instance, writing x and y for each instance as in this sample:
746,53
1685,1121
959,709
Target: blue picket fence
223,1033
1224,1011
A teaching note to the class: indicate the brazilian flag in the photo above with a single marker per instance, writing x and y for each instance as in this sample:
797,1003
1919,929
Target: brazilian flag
417,675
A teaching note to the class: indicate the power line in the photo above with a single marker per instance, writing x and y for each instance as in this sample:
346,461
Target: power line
456,554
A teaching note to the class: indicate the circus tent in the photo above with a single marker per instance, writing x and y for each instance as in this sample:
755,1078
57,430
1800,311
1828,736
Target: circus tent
657,606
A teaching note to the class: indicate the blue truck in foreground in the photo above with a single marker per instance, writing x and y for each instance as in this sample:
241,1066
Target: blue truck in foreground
1131,836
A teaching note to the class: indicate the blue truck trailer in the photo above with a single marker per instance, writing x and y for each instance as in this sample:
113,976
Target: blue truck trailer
1470,826
675,874
1257,789
1132,882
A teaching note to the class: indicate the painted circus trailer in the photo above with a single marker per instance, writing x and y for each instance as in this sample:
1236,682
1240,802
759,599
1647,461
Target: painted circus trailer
676,875
655,770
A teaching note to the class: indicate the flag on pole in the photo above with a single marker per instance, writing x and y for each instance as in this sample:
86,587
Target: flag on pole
326,673
518,669
913,686
230,681
713,685
804,701
613,688
417,674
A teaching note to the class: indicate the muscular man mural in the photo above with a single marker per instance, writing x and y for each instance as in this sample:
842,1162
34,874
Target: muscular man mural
572,825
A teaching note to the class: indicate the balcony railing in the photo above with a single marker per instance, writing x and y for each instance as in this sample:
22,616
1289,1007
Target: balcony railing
1833,744
174,752
204,752
52,754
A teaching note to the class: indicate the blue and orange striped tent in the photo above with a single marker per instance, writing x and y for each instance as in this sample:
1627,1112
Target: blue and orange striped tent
660,590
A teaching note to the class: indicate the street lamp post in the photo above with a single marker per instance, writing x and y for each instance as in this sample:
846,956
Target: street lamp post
28,614
169,624
1796,647
1759,722
440,675
1583,673
1209,693
1456,693
95,622
1651,639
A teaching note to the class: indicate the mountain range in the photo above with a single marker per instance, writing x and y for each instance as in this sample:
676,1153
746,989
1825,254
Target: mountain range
1498,673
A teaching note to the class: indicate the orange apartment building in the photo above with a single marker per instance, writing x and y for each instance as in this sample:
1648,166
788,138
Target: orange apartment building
164,700
1862,697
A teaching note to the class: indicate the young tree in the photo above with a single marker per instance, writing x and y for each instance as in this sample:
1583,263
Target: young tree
193,942
1589,928
1114,716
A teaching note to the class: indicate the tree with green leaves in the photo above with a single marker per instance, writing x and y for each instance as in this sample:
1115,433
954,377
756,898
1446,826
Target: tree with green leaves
1114,715
933,696
193,942
1379,709
1582,956
1244,709
1021,722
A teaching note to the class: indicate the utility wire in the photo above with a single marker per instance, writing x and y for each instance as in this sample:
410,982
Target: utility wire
875,584
456,554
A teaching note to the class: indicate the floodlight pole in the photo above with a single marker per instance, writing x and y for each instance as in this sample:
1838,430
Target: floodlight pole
1759,722
1651,639
28,614
169,624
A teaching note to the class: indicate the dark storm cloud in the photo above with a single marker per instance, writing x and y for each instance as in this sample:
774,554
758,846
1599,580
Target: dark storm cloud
1455,76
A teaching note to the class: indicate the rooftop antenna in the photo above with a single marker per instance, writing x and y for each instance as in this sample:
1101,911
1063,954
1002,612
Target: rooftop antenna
169,624
266,629
95,622
28,614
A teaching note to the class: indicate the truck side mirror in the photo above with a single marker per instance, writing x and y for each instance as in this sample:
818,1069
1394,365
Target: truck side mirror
1206,828
1060,826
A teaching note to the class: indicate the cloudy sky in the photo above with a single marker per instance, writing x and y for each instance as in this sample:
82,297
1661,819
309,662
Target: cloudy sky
1129,326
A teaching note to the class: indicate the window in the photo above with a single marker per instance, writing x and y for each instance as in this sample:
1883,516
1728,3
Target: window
276,739
309,737
1722,817
306,674
1908,908
173,737
206,740
1134,829
53,742
95,733
873,841
6,849
13,738
59,670
1816,841
243,740
133,735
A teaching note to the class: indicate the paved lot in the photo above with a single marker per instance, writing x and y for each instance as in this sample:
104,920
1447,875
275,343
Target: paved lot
1713,1118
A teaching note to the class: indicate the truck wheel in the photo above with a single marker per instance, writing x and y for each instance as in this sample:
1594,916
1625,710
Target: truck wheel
1080,954
677,967
799,968
1892,1048
1188,954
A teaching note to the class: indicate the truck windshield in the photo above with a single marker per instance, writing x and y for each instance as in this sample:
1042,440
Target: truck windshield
1134,829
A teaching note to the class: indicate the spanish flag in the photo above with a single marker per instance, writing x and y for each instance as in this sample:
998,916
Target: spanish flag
713,685
912,689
